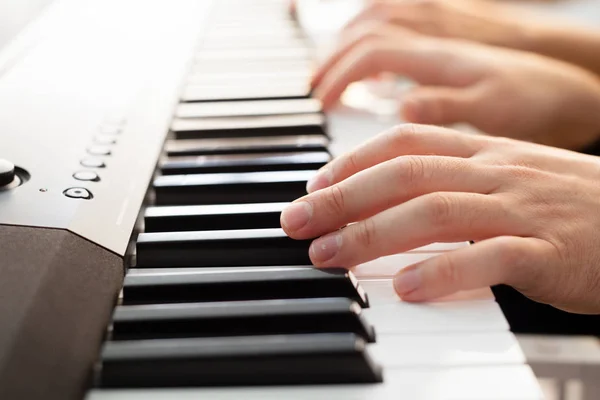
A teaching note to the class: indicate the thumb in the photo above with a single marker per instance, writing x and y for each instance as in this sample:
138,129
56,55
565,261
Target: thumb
438,105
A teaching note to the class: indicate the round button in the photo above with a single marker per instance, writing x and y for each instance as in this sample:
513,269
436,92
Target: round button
78,193
93,163
99,151
7,172
107,140
86,176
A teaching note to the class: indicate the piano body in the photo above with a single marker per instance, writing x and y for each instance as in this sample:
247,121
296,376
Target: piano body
154,145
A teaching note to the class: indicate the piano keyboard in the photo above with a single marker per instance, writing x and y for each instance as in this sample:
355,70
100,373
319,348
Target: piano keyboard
220,303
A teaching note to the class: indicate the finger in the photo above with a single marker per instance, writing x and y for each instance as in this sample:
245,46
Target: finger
439,105
506,259
406,139
435,217
351,39
423,59
376,189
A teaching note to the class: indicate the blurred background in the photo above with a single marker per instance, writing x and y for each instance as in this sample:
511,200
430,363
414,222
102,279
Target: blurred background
14,15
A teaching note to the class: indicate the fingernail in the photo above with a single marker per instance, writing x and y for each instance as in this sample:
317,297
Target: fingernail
296,216
325,248
320,181
407,281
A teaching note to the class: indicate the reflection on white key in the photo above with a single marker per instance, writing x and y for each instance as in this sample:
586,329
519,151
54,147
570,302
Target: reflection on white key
446,350
442,317
439,247
474,383
388,266
381,291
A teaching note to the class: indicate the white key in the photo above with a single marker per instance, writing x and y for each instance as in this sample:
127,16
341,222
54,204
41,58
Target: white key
244,78
442,317
381,291
390,265
446,350
259,91
252,54
475,383
439,247
248,108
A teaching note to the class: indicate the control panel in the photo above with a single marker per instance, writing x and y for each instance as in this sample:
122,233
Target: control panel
84,113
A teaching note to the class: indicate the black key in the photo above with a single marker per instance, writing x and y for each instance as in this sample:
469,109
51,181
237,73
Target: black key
184,285
240,318
213,217
254,360
271,144
244,187
248,108
270,125
257,162
198,93
249,247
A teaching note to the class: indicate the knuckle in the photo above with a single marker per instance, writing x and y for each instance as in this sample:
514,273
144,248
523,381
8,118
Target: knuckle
441,209
504,145
520,172
410,169
351,163
513,257
365,233
335,200
406,135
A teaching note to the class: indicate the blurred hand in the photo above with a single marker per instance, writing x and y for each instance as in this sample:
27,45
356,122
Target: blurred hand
533,211
490,22
499,91
478,20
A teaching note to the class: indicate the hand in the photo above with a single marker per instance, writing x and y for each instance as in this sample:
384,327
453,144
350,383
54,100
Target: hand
534,212
499,91
490,22
477,20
